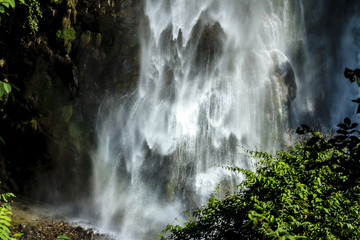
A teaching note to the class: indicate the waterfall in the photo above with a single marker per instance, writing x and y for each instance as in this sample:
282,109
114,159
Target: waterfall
215,75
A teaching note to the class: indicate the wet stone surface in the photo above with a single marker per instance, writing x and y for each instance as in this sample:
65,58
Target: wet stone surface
36,222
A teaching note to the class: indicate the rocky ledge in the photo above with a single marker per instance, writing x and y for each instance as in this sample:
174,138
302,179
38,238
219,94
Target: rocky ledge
36,222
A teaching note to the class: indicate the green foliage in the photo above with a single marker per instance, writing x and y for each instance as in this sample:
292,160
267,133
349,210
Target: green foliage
71,3
57,1
311,190
5,89
307,191
5,200
7,4
5,220
66,35
5,92
5,223
62,237
34,15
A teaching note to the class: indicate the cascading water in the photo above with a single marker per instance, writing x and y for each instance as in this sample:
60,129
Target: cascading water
214,74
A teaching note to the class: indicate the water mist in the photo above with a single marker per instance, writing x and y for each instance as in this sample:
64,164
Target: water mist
214,75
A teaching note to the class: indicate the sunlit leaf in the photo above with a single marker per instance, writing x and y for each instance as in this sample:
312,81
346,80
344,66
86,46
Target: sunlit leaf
7,88
6,4
12,3
63,237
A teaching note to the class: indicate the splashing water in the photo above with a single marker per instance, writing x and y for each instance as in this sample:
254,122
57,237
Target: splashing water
214,75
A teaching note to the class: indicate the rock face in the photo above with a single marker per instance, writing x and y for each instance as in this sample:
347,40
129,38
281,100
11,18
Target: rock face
283,77
49,128
35,222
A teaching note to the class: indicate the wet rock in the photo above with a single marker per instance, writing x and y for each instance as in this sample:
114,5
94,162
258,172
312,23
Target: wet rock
208,37
283,76
50,127
53,229
35,222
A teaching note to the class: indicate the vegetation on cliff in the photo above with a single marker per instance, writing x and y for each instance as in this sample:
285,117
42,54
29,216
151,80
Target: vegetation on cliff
310,191
63,56
55,66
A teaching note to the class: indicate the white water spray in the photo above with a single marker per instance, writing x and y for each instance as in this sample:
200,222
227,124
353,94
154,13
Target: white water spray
214,74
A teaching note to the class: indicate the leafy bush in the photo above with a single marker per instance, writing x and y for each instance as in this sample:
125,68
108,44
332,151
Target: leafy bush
6,4
33,12
66,35
311,190
34,15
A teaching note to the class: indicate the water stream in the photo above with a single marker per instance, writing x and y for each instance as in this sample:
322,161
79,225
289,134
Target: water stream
214,75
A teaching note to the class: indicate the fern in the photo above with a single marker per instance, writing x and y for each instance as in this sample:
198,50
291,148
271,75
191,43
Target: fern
5,220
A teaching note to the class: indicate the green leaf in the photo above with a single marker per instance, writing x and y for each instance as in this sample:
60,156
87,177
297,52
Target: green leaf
7,87
2,9
6,218
4,222
12,3
358,80
4,228
14,86
2,90
6,196
319,181
4,235
6,4
63,237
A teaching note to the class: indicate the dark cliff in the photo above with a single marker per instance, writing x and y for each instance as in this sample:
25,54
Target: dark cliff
79,52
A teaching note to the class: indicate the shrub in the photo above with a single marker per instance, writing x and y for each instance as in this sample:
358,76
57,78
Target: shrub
66,35
311,190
